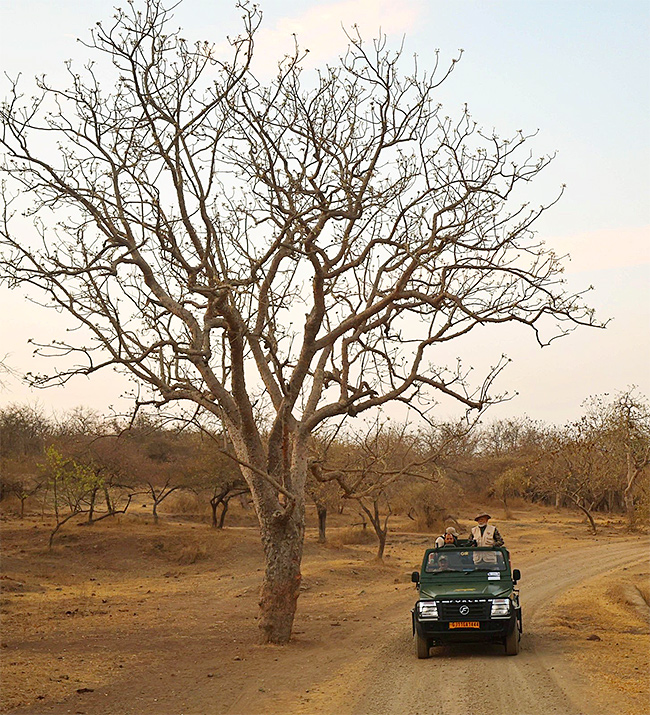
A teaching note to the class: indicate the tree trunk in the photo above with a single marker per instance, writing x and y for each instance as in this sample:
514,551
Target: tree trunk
107,499
628,502
630,488
322,517
214,503
224,509
282,539
587,513
281,516
91,508
381,537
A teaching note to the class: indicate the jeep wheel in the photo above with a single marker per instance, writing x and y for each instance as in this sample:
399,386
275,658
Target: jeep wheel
512,641
422,645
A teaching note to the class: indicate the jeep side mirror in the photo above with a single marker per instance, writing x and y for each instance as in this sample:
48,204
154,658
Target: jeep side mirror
415,577
516,575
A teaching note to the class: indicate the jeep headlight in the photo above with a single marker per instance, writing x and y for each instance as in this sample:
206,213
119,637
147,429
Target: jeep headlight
428,609
500,608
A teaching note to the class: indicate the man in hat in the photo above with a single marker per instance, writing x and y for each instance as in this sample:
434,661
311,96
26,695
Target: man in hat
484,534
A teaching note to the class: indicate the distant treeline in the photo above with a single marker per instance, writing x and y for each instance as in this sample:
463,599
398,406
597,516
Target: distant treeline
84,463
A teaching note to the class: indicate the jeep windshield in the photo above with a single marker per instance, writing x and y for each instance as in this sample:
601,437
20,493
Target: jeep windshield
464,561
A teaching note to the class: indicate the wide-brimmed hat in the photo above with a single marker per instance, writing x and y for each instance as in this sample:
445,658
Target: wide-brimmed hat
480,514
451,530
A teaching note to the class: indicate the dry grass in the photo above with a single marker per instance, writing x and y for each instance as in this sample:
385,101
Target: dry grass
351,535
129,604
606,622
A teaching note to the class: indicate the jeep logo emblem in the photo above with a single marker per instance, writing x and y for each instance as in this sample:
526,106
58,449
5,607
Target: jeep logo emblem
464,610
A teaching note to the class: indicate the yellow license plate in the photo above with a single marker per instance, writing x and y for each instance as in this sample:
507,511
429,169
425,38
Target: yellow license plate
464,624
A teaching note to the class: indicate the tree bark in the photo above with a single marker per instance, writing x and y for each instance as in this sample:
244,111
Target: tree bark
283,540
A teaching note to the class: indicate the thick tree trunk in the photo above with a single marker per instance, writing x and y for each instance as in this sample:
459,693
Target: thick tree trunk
279,501
282,540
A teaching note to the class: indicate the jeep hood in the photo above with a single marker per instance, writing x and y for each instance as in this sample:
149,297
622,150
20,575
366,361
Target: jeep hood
462,589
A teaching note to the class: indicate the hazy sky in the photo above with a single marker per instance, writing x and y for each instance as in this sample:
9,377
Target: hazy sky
577,71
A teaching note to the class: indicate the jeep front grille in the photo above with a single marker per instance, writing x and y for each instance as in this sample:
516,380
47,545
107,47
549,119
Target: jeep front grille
477,609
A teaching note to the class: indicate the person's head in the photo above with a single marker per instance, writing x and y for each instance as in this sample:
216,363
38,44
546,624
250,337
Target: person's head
443,562
482,518
449,539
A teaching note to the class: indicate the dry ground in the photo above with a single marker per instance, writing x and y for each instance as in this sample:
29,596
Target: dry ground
129,617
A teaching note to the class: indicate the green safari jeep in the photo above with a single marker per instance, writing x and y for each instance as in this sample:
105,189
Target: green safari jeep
467,594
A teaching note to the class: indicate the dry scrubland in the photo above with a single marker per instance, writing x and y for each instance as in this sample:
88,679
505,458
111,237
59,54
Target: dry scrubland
129,617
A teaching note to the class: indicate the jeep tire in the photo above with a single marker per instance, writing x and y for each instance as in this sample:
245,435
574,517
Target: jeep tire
512,641
422,645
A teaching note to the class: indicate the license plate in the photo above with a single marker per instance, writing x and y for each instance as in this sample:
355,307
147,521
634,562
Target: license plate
464,624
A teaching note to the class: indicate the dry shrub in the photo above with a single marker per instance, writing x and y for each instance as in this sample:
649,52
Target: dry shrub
191,553
431,506
172,549
10,506
187,504
352,535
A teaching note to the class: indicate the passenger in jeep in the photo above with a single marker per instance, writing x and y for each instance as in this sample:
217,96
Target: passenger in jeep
443,564
442,540
484,534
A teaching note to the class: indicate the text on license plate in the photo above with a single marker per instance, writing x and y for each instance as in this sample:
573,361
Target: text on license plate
464,624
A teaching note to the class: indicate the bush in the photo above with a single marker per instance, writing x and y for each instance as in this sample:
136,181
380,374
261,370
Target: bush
352,535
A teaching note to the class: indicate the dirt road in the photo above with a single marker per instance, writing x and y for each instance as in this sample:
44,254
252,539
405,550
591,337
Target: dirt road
106,627
460,680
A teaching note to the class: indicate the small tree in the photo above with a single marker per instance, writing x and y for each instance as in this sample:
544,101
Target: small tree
514,481
72,485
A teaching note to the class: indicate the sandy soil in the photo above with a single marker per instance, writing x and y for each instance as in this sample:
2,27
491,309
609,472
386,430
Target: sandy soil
126,617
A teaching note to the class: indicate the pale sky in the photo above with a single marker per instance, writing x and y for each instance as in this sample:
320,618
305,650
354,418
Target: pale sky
579,72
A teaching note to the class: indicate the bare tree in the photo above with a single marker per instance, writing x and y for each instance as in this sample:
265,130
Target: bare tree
623,424
577,467
299,246
325,495
368,465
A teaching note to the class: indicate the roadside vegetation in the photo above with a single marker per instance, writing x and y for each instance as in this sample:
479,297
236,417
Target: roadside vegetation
83,467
